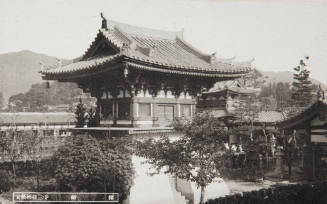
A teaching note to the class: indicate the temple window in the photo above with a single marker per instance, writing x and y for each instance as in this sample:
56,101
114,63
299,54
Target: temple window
124,110
106,110
186,111
165,112
145,109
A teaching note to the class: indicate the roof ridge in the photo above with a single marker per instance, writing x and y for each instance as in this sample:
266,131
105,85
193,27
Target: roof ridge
144,31
123,34
243,63
196,51
225,60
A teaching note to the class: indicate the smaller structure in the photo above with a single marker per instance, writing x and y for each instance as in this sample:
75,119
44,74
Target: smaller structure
226,98
269,118
310,126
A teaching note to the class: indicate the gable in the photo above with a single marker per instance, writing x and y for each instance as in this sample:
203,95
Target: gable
99,48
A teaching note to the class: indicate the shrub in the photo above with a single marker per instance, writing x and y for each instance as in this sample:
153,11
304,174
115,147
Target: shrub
6,181
291,194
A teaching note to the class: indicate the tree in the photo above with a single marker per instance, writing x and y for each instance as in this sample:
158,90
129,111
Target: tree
80,114
283,95
12,143
302,86
279,92
5,181
40,95
33,151
92,119
193,156
87,165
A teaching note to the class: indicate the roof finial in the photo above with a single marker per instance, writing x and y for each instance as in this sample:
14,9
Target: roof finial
42,67
104,22
212,58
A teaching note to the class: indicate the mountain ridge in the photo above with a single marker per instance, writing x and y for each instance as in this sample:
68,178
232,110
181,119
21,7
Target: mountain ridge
286,77
19,70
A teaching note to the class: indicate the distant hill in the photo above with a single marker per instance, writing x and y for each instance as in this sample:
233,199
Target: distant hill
19,70
285,76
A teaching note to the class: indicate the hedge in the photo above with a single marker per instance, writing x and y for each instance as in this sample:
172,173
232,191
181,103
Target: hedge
291,194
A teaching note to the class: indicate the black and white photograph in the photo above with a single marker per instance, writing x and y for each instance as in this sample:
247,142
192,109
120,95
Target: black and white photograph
163,101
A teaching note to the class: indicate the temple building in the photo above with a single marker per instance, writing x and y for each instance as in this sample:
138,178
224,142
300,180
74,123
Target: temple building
144,77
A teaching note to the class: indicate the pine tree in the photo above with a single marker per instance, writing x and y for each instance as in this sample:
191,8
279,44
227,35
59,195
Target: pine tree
302,86
80,114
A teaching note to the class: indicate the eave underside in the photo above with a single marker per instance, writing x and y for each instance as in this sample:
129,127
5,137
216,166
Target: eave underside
106,68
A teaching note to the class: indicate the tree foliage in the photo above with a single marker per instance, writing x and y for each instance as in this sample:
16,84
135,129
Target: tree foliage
33,152
40,95
13,143
84,164
302,86
192,156
24,146
92,119
278,93
5,181
80,114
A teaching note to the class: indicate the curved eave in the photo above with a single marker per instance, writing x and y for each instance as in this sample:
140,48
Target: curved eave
185,72
195,69
302,117
135,63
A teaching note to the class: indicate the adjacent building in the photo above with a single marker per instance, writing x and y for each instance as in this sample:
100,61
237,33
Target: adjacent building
227,98
308,130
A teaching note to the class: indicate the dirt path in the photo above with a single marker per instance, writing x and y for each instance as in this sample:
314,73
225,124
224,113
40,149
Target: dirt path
236,186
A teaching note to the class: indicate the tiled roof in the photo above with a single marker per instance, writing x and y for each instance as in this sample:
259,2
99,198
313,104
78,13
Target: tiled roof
163,50
232,86
82,65
238,90
303,114
36,118
270,116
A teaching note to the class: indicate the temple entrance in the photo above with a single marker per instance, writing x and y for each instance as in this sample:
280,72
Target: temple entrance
165,113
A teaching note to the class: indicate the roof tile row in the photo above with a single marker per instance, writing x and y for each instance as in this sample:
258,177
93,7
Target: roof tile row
166,49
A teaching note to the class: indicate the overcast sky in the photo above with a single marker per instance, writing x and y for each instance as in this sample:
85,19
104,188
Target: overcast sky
277,33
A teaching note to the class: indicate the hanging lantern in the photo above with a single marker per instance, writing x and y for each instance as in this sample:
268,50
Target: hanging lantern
125,72
47,84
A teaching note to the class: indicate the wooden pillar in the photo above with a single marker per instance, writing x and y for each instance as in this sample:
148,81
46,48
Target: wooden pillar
98,108
154,114
133,105
313,162
178,110
114,111
134,111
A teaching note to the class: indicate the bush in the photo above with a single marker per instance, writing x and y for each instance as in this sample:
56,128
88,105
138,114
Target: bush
291,194
86,164
6,181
